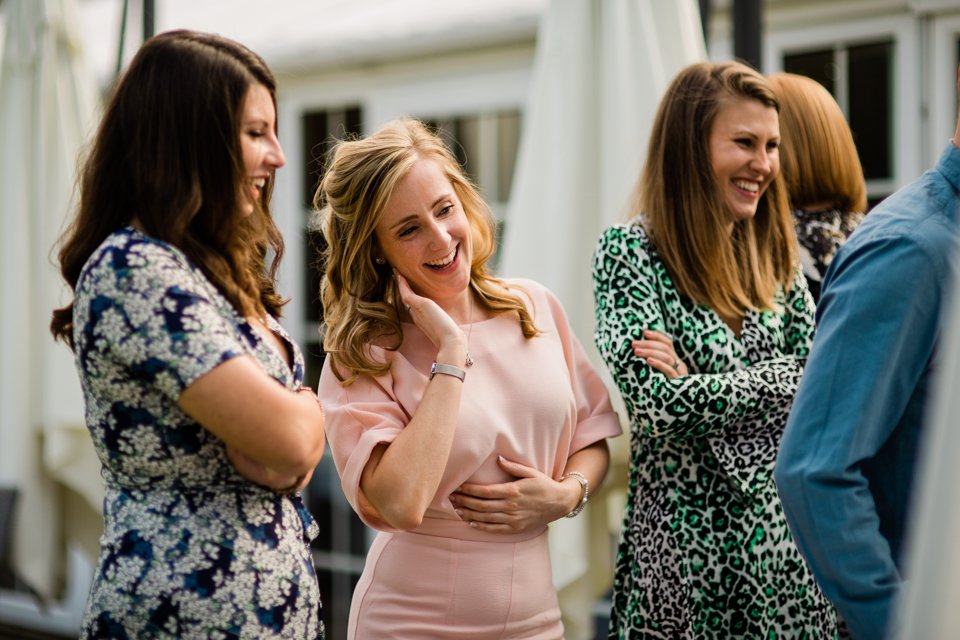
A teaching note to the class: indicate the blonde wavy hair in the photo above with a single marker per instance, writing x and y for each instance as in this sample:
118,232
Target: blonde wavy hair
682,208
360,301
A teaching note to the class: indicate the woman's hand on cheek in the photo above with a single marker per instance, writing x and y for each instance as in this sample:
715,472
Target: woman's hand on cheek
427,314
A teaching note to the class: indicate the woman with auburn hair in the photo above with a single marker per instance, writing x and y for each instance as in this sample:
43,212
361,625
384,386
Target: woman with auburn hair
462,412
704,321
192,388
822,171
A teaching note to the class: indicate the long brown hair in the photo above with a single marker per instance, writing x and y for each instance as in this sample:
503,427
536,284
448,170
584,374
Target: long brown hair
818,158
167,154
360,299
682,208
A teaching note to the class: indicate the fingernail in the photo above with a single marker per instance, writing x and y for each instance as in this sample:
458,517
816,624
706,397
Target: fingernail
472,524
501,458
459,513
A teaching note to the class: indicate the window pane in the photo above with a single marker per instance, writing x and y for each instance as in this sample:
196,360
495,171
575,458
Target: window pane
314,133
956,61
871,107
315,245
819,65
339,550
320,130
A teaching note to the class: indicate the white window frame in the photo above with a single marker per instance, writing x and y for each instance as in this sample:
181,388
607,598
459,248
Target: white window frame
943,47
908,113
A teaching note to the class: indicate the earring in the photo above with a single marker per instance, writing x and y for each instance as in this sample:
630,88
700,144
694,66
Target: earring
380,260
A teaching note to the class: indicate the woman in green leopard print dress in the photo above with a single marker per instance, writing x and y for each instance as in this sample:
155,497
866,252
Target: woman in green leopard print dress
704,320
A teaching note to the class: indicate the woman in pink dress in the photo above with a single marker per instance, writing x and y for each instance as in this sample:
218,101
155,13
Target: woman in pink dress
462,412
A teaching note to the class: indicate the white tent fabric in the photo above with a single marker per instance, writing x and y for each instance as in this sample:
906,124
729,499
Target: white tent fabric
600,68
599,71
47,108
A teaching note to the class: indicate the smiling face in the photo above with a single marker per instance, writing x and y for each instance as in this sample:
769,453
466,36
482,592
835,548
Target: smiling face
259,145
424,234
744,154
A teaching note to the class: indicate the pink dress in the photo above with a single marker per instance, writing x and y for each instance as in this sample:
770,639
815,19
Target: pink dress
535,401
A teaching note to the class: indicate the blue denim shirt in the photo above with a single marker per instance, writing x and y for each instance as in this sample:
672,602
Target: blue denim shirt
846,462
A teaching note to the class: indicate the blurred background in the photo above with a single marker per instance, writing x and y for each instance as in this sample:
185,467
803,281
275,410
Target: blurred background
548,103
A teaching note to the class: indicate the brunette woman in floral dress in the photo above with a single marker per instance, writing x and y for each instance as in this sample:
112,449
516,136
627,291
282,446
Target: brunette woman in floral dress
192,388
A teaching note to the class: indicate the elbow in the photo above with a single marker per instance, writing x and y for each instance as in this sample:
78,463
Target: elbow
305,449
400,508
405,521
307,459
403,517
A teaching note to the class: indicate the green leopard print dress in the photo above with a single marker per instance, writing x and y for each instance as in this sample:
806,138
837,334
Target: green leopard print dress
704,550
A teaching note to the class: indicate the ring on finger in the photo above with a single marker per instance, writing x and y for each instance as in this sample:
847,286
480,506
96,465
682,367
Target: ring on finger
676,364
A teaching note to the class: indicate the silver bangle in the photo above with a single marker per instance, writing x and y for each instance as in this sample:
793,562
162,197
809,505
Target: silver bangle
447,370
582,479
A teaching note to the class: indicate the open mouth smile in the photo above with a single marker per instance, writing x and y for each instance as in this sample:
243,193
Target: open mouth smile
446,261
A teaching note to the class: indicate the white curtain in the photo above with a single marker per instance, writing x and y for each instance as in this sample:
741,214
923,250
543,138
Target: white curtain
600,68
47,109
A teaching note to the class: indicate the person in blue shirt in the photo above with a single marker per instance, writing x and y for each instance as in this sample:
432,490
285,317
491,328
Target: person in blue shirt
848,456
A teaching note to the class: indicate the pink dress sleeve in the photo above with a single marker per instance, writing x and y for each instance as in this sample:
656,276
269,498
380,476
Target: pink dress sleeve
358,418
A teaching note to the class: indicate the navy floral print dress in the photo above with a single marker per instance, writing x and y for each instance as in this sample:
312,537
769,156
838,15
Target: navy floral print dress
190,548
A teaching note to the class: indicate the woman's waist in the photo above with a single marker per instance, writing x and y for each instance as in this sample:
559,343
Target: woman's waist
212,476
460,530
238,505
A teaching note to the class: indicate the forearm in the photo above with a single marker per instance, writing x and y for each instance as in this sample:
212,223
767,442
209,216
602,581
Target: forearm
297,430
591,461
698,405
251,412
264,476
401,479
